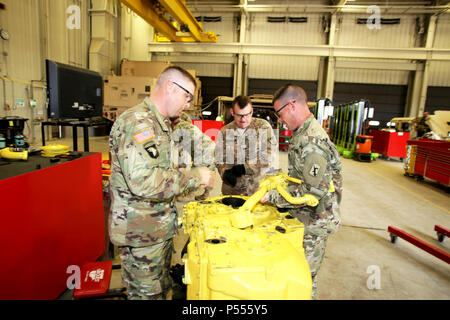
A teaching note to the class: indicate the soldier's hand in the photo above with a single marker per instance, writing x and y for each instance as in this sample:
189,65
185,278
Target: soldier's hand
238,170
265,198
206,176
229,178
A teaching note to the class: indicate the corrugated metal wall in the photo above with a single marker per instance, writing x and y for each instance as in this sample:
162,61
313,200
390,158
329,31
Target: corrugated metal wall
104,50
135,35
227,31
285,67
37,31
63,44
348,34
209,69
388,36
395,77
439,74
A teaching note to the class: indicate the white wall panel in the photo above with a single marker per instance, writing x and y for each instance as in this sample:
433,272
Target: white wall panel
22,49
439,74
136,34
226,29
63,44
394,77
286,67
21,61
261,31
442,36
209,69
37,31
389,36
372,76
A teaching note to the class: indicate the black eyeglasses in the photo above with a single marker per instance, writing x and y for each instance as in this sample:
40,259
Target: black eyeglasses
191,96
277,112
242,115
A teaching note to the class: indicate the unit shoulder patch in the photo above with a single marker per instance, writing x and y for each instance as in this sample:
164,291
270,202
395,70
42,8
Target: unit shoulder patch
314,170
152,151
315,166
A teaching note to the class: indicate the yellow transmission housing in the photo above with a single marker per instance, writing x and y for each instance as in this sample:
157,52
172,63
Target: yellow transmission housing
261,261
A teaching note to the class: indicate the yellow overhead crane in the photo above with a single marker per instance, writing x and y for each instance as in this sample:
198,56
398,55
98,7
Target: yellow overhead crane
155,12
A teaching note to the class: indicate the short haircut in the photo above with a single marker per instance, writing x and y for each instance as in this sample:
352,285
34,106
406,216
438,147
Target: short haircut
290,91
241,101
173,71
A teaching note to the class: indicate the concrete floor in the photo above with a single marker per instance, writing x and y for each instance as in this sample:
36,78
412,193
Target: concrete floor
376,195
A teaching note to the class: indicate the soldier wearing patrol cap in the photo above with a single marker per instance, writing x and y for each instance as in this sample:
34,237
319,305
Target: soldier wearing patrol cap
144,183
314,159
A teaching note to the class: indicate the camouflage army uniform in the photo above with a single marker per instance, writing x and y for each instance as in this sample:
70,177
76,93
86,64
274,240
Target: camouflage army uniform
194,149
143,186
314,159
256,149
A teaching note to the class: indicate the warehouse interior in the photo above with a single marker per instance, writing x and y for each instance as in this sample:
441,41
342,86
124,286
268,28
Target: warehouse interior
369,68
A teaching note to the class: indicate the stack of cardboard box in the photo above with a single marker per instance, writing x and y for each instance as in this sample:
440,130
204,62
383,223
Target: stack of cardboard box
136,83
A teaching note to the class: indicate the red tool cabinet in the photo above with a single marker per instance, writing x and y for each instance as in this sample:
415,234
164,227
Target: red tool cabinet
52,218
389,144
432,160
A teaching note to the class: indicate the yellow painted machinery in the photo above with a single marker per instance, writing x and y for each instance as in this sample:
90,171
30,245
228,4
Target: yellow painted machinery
159,14
9,153
242,249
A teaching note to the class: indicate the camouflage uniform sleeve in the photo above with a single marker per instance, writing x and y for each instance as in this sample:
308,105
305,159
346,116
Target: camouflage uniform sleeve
311,165
221,152
206,157
146,165
198,145
267,160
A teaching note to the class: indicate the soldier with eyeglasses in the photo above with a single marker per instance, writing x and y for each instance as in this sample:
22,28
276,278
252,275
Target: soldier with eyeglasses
314,159
247,149
145,182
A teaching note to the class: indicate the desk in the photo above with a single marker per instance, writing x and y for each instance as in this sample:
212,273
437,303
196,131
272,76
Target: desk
52,218
75,124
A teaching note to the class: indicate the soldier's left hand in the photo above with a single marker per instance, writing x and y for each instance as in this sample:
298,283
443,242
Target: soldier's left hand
265,198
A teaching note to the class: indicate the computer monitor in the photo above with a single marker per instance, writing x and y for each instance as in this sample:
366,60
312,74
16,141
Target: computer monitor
73,93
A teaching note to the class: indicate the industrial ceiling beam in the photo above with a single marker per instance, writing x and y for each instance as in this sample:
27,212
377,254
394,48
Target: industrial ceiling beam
194,59
311,8
155,16
178,10
386,65
431,54
149,12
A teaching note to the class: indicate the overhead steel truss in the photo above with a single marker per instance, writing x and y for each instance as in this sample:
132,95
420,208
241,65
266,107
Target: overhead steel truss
156,13
430,54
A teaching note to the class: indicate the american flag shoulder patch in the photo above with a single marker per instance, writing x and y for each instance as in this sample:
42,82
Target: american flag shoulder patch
143,136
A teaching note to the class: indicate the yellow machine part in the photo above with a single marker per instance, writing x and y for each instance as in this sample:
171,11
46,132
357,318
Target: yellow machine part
410,160
9,153
54,150
247,250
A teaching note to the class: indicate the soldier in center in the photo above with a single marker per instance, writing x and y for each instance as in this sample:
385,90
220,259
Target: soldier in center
246,150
